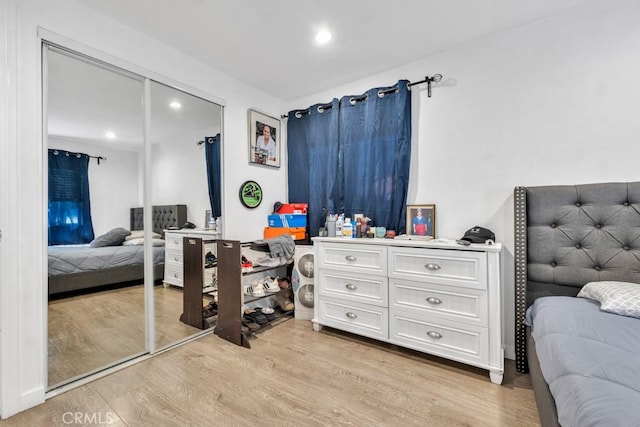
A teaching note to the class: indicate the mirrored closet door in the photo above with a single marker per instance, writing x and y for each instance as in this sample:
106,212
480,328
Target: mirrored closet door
181,125
101,170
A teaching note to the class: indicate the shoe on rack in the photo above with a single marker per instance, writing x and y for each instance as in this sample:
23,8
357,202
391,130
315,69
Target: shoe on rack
271,284
284,302
268,312
246,263
257,289
284,283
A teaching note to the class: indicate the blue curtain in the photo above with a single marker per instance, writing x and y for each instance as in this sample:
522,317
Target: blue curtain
354,157
69,210
212,154
314,161
375,139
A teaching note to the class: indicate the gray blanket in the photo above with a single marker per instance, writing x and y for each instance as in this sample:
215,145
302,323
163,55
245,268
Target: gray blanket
590,359
77,259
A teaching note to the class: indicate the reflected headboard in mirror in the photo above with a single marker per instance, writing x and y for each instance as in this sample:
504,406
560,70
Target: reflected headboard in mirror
163,217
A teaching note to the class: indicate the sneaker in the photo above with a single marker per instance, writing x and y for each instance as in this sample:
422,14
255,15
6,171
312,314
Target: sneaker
284,302
246,263
271,284
257,289
284,283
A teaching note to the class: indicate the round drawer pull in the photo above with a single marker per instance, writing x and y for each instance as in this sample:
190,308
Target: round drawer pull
435,335
351,286
176,275
432,267
434,300
176,259
351,258
351,315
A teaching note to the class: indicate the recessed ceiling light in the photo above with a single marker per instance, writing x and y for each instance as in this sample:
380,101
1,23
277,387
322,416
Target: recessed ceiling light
323,37
110,135
175,105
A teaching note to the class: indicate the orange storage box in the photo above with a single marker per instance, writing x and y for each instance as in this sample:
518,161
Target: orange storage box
298,233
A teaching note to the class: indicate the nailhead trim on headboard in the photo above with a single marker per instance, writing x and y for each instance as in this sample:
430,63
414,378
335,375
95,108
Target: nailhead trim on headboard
162,217
520,233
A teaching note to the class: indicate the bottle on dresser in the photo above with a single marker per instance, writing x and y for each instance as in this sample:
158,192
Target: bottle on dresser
347,229
339,224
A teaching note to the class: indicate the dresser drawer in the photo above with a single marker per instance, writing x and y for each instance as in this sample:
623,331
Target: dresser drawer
369,259
174,275
458,304
458,268
173,241
461,342
362,319
351,287
173,256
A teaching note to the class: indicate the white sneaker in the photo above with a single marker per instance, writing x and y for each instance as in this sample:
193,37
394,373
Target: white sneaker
257,289
271,285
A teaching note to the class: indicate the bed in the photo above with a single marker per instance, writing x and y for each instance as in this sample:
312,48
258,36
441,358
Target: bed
577,273
76,268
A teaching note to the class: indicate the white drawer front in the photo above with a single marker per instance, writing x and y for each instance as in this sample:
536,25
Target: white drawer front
370,259
365,289
172,256
464,343
173,242
367,320
459,304
175,276
459,268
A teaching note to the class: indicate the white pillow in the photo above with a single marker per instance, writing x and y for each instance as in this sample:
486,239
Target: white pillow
615,297
139,234
140,241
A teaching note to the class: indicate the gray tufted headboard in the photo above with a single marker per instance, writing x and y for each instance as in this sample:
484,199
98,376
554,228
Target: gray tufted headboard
569,235
163,217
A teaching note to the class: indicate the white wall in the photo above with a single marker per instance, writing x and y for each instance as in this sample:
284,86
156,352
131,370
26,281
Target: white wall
22,214
554,102
113,184
179,174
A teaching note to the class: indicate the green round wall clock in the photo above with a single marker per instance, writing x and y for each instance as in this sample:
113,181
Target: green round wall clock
251,194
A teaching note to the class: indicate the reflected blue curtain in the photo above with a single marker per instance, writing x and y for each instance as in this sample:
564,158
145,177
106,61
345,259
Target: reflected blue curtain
375,140
212,155
69,211
314,161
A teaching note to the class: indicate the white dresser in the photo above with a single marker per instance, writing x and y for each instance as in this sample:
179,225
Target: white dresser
173,256
440,298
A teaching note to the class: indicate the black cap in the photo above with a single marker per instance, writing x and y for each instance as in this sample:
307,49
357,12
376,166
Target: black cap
478,235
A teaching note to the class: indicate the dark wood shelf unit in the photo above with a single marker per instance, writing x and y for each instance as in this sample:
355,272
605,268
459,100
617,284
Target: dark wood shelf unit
193,261
230,293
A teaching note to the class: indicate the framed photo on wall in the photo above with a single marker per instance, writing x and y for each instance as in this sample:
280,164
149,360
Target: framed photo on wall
264,139
421,220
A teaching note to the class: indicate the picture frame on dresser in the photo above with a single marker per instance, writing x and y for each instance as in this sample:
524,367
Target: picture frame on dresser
421,220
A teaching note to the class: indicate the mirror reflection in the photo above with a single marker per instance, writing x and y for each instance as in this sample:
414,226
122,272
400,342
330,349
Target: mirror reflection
96,164
181,127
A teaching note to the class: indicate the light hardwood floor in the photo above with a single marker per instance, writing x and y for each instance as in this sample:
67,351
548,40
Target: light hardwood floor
89,332
293,376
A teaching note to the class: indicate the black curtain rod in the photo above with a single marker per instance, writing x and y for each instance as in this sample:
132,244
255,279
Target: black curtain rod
435,78
70,153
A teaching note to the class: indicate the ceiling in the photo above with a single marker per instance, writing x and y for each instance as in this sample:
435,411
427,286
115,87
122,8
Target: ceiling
86,99
270,44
